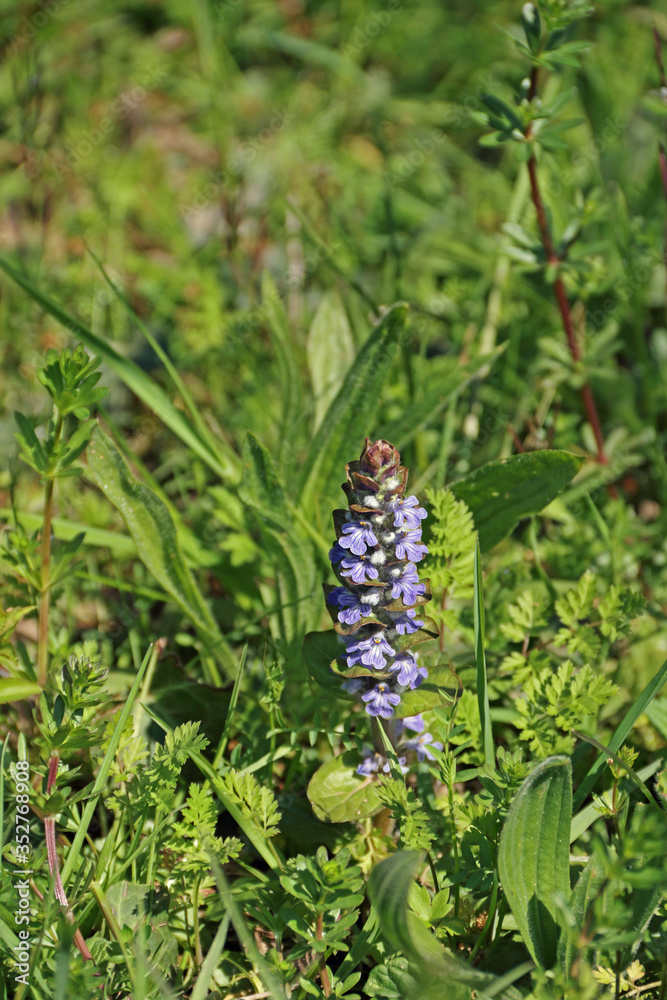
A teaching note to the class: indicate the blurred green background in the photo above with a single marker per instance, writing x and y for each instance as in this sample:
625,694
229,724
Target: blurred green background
190,147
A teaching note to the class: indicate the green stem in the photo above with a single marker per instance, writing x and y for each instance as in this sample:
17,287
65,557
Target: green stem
45,593
195,924
452,825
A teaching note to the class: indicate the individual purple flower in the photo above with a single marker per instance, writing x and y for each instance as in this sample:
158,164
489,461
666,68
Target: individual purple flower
381,701
358,568
408,672
352,606
372,763
407,511
407,544
372,652
414,723
406,624
354,685
407,585
336,553
421,743
357,535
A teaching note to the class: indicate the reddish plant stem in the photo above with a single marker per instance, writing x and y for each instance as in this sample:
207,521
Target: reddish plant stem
52,855
50,835
559,288
662,157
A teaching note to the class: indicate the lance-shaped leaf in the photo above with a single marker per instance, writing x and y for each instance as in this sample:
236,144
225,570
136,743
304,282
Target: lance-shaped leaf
534,855
351,411
150,524
500,493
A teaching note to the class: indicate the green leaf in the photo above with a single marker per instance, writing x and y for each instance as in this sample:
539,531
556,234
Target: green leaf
441,975
330,349
339,795
320,650
261,487
16,689
534,855
590,880
150,524
440,688
340,437
148,391
500,493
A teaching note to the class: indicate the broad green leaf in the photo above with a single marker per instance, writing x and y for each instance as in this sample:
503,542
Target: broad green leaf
15,689
500,493
320,650
341,436
441,975
128,902
330,350
148,391
440,688
534,855
154,534
260,485
339,795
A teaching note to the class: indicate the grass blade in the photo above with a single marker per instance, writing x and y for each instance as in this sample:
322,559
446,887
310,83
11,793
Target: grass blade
148,391
480,658
622,732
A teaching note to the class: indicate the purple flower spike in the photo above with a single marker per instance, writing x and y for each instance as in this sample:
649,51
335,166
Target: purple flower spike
420,745
381,701
407,585
372,652
407,624
407,511
357,535
407,544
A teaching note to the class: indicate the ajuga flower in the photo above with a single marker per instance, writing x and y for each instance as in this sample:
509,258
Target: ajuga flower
420,745
378,542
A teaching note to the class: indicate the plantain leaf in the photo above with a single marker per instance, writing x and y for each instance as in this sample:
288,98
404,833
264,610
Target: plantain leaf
534,855
330,349
500,493
441,975
154,534
339,795
350,414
